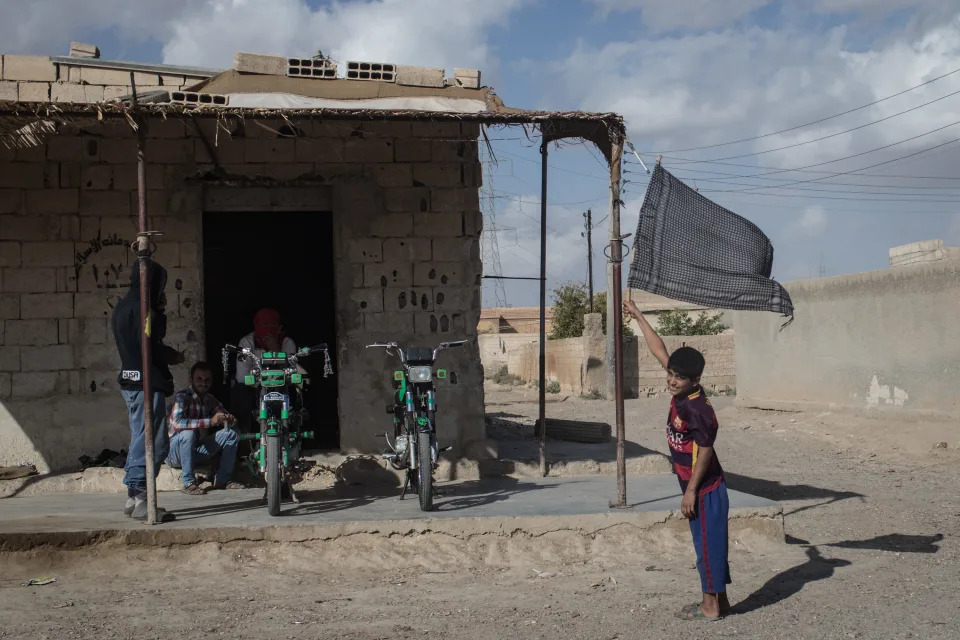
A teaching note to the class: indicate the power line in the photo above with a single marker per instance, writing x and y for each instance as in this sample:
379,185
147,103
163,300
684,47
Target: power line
780,205
841,184
552,166
517,197
872,166
778,170
684,161
834,135
807,124
856,155
800,195
863,175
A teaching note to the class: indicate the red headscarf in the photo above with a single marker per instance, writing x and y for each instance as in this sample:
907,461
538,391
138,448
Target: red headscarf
266,323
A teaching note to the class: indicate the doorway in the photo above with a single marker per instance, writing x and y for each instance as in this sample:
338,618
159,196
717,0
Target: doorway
285,261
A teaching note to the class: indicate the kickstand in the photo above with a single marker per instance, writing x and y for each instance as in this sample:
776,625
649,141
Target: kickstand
406,483
293,494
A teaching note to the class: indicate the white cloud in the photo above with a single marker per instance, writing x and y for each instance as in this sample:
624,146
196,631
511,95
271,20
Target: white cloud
418,32
434,33
519,248
812,222
707,88
659,15
47,26
869,6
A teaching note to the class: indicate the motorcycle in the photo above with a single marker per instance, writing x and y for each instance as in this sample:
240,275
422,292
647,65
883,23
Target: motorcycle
414,446
281,416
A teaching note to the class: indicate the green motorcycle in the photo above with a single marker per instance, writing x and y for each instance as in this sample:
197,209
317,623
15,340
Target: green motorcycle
414,445
281,416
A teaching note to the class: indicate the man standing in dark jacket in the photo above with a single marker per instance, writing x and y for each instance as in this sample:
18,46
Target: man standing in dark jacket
126,331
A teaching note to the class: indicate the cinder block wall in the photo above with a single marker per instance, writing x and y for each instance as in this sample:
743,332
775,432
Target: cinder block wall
406,214
881,340
38,79
496,349
644,376
578,363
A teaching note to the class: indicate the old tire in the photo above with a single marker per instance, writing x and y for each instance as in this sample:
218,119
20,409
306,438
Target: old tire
576,430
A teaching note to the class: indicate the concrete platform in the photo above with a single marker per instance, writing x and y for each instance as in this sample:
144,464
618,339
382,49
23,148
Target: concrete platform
521,459
500,506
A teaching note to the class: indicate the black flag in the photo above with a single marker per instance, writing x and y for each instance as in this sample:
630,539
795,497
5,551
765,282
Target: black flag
691,249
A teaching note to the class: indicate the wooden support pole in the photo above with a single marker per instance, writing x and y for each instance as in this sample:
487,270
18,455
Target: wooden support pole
615,317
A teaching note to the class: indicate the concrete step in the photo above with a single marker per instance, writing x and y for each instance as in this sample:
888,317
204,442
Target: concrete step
495,510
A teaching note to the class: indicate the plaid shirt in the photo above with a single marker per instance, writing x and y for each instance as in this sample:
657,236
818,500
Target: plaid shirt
190,412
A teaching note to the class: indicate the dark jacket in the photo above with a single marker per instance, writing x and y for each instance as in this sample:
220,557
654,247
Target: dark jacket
126,331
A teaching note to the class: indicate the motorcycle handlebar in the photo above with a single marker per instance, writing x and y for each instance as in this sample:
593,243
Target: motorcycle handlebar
393,346
314,349
249,354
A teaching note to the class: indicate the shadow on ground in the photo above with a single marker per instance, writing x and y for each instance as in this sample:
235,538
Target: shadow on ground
475,493
517,440
778,492
463,495
816,568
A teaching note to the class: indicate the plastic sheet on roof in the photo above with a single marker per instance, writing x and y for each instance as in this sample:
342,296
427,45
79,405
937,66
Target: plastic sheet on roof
291,101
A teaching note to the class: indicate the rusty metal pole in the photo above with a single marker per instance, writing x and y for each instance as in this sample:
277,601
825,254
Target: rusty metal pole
615,325
543,310
143,255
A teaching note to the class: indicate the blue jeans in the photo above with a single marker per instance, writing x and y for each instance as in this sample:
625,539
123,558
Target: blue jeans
136,466
186,450
709,530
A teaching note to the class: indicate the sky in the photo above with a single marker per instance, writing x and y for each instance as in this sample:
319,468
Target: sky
689,76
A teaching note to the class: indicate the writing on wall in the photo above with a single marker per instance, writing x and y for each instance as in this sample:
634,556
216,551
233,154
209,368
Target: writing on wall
104,260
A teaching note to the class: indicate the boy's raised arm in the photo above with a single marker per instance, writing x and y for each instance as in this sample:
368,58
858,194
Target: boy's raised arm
654,342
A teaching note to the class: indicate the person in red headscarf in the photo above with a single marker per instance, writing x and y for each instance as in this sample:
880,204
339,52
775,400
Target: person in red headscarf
267,335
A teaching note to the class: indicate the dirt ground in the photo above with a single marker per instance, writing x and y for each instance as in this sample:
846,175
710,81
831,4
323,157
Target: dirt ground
872,517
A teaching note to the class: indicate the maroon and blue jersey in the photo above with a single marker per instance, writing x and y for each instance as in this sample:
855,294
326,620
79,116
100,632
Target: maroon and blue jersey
693,424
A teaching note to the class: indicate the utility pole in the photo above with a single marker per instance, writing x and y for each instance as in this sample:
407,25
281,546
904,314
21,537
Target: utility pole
615,320
589,224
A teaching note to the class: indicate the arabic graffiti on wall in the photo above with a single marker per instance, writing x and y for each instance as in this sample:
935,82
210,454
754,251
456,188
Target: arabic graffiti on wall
103,259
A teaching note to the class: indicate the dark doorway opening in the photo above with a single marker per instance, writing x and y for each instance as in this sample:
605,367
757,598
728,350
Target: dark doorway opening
279,260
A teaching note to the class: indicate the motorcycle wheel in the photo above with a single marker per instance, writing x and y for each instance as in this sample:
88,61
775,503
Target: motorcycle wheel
273,475
424,472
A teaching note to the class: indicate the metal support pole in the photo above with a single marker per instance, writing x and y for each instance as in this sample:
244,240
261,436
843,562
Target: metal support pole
589,215
543,310
615,318
143,254
614,234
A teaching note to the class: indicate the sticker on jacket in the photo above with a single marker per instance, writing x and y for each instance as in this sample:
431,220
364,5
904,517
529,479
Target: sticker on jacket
130,376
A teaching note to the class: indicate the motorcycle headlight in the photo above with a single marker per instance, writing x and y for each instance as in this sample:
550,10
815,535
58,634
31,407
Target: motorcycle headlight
420,374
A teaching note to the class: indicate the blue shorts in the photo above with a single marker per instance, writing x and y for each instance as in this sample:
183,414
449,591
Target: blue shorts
709,530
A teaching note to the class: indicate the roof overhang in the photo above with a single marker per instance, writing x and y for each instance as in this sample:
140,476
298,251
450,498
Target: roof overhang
18,118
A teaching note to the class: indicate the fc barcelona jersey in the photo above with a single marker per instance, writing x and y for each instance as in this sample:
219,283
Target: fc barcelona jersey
693,424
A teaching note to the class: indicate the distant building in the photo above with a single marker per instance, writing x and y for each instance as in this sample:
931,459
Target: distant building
513,320
921,252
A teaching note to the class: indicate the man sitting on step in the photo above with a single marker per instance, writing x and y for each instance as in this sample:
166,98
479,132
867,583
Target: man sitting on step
195,411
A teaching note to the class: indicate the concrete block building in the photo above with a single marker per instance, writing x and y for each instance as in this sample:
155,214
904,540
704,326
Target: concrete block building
350,205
